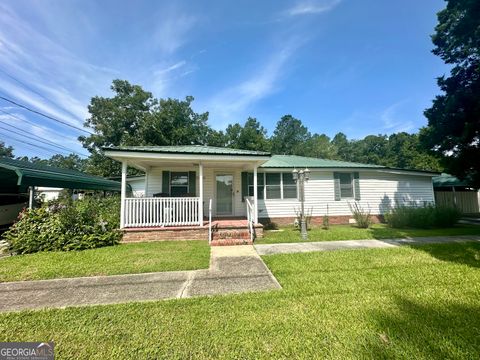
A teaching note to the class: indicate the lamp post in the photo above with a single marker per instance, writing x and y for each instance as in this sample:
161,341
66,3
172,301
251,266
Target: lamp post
300,177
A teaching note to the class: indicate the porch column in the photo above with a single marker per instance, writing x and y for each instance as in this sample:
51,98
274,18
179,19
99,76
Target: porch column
123,194
147,175
30,197
200,194
255,195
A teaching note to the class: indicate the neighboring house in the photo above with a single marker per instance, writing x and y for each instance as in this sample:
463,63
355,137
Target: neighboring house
451,191
137,183
181,181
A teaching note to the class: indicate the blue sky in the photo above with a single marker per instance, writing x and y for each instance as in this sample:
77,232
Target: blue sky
357,66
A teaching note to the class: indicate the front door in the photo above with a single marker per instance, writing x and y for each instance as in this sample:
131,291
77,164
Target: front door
224,194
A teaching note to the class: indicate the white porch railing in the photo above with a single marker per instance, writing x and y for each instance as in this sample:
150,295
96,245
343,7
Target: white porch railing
168,211
250,218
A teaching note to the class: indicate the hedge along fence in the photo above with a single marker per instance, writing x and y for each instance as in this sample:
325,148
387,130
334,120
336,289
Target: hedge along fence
64,226
423,217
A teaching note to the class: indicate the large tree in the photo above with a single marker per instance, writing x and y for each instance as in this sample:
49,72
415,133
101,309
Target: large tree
133,117
251,136
454,118
6,151
289,136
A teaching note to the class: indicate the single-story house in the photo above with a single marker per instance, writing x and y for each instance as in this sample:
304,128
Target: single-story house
186,186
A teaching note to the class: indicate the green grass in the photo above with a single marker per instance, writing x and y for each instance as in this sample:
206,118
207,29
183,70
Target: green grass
350,232
404,303
111,260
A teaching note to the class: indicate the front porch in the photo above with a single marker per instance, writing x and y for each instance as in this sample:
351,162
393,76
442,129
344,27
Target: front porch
186,188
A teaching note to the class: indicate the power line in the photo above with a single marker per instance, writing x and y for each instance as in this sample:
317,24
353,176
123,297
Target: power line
39,139
27,86
34,145
29,122
44,115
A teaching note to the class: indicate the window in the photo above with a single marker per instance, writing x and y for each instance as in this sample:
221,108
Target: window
178,184
346,185
289,186
272,186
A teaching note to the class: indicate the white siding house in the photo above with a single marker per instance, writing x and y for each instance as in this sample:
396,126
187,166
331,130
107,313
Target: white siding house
230,179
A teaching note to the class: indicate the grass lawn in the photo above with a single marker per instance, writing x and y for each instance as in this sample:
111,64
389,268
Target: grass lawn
111,260
408,302
350,232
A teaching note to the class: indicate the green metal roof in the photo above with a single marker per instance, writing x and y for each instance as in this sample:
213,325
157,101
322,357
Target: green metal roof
18,175
447,180
292,161
189,149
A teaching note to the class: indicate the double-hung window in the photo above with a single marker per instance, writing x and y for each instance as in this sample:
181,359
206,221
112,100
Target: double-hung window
289,186
178,184
273,186
346,185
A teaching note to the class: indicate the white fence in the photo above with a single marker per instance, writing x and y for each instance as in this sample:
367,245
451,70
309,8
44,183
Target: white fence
144,212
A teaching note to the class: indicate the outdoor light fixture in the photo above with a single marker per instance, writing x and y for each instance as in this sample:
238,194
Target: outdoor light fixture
300,177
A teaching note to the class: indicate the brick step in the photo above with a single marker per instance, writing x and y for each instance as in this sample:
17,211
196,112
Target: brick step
228,242
230,234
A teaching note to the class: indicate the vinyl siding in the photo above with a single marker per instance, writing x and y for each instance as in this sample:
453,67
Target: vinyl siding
378,190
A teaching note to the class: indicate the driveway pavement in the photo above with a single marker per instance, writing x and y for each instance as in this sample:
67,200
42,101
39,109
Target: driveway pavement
270,249
233,269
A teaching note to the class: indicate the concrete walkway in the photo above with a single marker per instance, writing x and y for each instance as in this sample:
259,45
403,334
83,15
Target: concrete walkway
270,249
233,269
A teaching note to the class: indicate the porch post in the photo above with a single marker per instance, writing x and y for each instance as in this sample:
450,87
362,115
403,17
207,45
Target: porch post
31,196
123,194
255,195
147,175
200,194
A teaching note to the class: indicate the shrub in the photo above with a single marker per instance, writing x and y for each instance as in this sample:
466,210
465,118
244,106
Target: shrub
64,226
362,217
298,218
422,217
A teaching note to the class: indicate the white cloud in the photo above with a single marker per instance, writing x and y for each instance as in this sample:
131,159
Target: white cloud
311,7
231,103
171,31
392,122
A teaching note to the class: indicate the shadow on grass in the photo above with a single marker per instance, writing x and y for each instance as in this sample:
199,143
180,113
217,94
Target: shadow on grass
413,329
467,253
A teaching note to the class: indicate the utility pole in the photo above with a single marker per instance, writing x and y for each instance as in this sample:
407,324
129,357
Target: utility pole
300,177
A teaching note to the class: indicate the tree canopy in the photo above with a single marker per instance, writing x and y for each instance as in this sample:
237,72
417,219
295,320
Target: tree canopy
454,118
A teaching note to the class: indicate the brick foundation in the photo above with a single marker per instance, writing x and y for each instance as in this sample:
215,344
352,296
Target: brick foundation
153,234
316,220
221,235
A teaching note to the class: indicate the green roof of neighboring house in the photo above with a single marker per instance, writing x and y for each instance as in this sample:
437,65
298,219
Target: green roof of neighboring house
17,174
189,149
447,180
292,161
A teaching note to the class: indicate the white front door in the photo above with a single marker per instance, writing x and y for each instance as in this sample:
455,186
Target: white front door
224,194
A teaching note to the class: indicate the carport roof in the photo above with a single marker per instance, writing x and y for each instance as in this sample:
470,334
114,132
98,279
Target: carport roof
14,173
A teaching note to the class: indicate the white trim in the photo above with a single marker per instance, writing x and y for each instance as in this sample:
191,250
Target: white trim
176,156
200,193
123,194
389,171
255,194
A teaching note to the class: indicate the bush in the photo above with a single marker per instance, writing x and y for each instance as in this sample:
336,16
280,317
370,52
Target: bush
424,217
362,217
65,226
